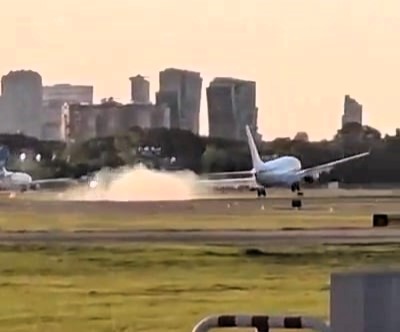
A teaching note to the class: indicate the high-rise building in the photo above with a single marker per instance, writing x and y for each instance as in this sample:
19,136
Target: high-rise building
140,89
170,99
180,90
55,115
231,106
111,118
352,111
3,114
56,99
22,94
67,93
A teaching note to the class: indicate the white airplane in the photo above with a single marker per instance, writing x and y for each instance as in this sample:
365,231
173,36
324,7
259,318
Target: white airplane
20,181
283,172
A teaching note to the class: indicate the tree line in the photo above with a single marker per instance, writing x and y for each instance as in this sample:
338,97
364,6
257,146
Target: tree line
179,149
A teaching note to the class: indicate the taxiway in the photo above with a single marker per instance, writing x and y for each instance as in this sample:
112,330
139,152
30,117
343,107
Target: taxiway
239,237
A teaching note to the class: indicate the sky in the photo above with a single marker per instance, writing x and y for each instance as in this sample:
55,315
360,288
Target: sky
305,55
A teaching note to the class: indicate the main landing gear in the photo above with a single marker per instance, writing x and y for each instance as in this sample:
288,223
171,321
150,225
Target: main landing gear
297,203
261,192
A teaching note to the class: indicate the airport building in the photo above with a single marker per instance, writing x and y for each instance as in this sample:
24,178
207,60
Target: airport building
352,111
231,106
180,90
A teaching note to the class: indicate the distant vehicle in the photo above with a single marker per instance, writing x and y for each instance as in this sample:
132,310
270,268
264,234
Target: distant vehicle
21,181
284,172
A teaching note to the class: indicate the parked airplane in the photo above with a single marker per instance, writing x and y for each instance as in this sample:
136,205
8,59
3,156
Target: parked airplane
19,181
285,171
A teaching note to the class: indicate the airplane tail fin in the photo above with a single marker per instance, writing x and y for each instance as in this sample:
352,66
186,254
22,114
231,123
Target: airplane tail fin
255,157
4,155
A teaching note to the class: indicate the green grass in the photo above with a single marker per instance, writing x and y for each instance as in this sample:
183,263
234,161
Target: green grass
165,288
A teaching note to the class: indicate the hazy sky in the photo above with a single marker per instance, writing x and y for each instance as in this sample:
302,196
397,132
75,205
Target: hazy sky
304,54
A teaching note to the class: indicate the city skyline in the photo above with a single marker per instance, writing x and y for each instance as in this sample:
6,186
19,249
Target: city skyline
305,55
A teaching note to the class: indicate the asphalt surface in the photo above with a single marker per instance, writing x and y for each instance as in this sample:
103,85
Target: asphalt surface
273,237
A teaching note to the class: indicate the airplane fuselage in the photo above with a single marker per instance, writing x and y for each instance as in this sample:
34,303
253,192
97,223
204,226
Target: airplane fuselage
15,180
280,172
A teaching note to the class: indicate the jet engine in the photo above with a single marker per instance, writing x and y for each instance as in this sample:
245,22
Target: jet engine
311,178
35,186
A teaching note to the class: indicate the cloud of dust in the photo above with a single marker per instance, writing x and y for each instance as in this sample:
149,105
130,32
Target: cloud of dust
139,184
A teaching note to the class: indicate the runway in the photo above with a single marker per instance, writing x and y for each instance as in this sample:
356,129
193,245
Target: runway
238,237
228,220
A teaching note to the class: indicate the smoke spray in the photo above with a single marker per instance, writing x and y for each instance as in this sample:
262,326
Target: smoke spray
139,184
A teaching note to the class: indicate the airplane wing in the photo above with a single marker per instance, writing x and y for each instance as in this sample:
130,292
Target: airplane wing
249,173
316,170
54,181
230,183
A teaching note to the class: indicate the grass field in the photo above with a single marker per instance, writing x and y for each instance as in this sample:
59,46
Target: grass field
202,214
170,288
79,221
165,288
